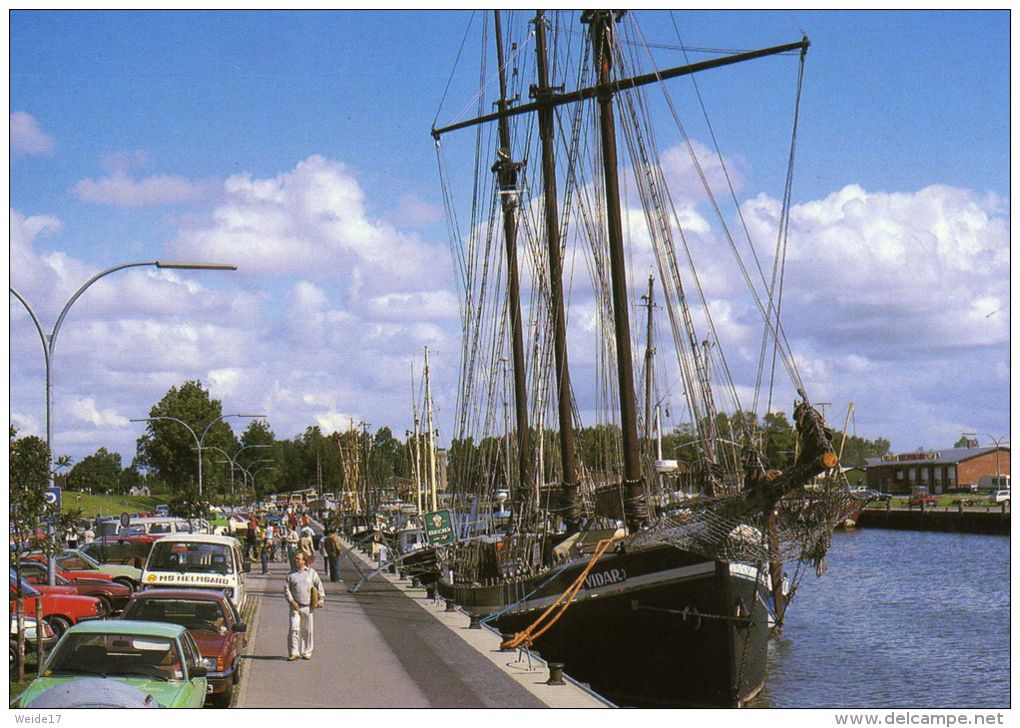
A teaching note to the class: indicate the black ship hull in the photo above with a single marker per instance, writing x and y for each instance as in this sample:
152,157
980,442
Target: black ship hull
657,627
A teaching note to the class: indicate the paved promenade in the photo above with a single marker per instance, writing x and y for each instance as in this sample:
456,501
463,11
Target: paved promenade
385,646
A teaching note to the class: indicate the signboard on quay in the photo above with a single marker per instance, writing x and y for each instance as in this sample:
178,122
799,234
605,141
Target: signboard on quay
439,528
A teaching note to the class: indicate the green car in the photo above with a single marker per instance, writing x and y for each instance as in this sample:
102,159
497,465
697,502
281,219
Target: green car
82,563
156,658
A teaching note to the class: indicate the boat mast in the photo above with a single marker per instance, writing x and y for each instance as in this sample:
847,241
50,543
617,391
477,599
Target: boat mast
417,446
546,130
634,506
649,355
430,434
506,174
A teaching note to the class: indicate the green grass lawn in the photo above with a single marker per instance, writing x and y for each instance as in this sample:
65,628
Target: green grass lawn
93,505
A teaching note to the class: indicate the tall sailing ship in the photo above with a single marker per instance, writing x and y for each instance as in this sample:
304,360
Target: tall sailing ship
652,595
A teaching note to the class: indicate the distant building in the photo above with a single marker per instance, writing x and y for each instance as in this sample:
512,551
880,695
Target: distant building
942,471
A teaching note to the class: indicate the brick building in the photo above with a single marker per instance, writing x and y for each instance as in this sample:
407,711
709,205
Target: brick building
942,471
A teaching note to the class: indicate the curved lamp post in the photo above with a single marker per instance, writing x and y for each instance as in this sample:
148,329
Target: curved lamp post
249,474
998,442
198,440
49,341
233,461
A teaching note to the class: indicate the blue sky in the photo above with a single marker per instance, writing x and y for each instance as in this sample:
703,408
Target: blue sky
137,135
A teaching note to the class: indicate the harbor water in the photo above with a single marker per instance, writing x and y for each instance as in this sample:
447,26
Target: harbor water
901,619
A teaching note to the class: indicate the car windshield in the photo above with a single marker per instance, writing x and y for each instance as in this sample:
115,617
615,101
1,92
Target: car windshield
89,563
116,654
209,558
113,551
190,613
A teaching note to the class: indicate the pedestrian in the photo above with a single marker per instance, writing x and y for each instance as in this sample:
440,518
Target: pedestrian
332,547
306,545
89,535
304,593
252,541
267,549
291,541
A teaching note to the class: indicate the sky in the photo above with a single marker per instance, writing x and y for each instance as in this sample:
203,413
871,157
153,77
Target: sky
296,146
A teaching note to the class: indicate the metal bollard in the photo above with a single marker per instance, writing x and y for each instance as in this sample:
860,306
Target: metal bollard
430,591
555,674
505,637
415,582
475,622
451,606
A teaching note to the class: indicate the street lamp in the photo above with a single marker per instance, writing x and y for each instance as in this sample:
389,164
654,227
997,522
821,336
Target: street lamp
233,461
49,342
249,474
244,471
998,442
198,440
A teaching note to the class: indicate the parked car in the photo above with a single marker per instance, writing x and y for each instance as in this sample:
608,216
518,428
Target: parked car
920,497
114,596
161,660
49,638
999,496
198,561
77,561
61,606
211,619
130,550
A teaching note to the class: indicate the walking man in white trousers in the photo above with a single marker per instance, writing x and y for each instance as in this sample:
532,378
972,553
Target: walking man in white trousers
304,593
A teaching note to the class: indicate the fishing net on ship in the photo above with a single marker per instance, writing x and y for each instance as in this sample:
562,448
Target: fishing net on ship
761,516
731,528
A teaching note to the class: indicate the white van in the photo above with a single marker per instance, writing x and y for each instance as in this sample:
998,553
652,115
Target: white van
153,525
198,560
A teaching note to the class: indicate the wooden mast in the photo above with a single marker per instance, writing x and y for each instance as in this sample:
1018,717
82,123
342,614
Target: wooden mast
546,126
634,506
506,174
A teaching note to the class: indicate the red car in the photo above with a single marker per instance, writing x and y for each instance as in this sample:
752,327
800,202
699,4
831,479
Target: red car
211,619
62,606
114,596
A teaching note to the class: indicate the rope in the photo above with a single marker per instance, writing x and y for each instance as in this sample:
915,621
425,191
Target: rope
536,629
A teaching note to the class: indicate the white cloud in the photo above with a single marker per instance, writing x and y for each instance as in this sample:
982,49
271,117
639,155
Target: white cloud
26,425
122,190
313,221
224,382
85,409
26,136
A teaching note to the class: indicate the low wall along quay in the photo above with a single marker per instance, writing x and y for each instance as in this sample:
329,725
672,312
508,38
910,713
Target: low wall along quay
951,520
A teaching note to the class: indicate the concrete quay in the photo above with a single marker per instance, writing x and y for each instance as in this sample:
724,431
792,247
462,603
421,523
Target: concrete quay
387,646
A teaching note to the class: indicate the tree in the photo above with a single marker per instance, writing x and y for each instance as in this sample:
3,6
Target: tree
34,522
100,471
169,449
387,458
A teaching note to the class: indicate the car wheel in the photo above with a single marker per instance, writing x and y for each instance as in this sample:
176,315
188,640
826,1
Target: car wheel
106,604
124,581
222,700
58,624
13,658
237,673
